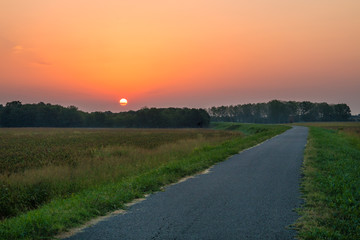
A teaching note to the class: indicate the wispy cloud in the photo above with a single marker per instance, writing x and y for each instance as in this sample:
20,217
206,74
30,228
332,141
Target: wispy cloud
29,55
17,49
40,62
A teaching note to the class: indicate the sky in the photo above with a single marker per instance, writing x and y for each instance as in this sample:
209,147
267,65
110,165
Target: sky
170,53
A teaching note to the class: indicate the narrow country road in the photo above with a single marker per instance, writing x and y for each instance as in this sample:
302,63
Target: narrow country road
252,195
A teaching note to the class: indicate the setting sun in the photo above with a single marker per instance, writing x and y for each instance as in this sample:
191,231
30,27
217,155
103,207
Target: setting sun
123,102
179,53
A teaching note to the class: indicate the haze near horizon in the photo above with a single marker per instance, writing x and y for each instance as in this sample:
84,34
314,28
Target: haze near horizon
179,53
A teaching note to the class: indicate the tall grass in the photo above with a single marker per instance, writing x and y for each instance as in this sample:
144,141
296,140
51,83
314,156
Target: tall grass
49,163
331,184
24,148
110,174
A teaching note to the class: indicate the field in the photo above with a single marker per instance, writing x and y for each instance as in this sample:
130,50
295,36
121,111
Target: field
54,179
39,164
331,183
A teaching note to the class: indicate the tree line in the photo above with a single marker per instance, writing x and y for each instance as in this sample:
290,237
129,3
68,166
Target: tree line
16,114
277,111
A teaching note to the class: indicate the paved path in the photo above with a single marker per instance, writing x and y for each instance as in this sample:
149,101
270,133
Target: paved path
249,196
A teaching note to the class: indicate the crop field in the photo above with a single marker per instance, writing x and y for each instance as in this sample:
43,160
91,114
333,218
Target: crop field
37,165
54,179
349,128
331,184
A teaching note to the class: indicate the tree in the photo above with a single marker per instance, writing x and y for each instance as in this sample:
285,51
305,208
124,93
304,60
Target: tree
305,111
342,112
277,111
12,115
1,113
326,112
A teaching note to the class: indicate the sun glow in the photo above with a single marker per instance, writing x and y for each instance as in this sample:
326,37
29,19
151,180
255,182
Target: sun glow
123,102
179,53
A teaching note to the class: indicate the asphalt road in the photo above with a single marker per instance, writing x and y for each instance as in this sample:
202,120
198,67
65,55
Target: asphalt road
252,195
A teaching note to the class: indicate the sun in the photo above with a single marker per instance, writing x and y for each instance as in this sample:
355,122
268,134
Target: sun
123,102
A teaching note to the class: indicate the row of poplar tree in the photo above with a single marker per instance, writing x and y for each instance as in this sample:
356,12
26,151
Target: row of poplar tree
16,114
277,111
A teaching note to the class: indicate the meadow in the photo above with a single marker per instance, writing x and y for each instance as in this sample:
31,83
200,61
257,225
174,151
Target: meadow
331,182
54,179
37,165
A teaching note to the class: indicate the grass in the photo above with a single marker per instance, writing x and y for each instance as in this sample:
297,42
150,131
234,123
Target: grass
331,183
245,128
38,165
65,177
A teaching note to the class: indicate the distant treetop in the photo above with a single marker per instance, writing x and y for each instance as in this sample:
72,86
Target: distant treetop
16,114
277,111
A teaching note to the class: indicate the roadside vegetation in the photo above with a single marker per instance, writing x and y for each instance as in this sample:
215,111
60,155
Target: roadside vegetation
331,183
52,180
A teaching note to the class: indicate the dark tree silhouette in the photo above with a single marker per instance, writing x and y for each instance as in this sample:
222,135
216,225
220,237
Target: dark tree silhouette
16,114
277,111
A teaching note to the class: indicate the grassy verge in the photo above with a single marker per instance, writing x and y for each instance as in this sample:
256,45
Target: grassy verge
245,128
331,183
63,213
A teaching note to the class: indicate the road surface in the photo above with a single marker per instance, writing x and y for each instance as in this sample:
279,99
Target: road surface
251,195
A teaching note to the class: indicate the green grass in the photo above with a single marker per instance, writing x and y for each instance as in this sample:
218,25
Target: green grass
38,165
331,183
24,148
245,128
107,172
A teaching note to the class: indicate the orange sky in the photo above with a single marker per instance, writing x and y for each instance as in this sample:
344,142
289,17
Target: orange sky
166,53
